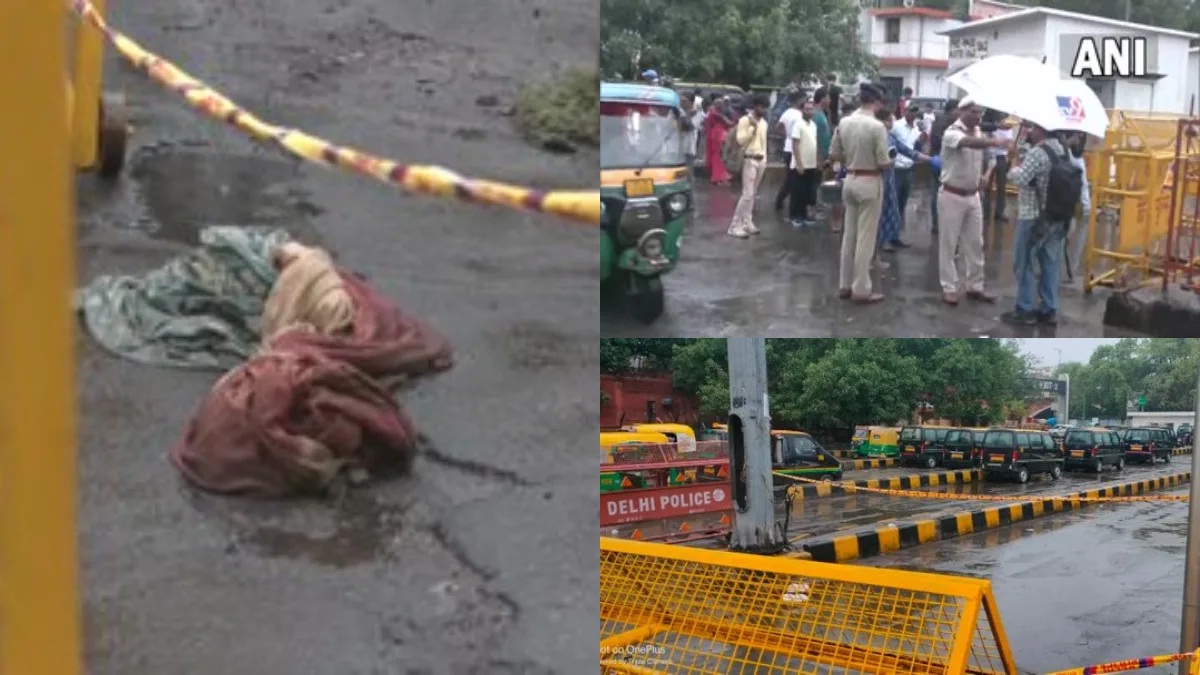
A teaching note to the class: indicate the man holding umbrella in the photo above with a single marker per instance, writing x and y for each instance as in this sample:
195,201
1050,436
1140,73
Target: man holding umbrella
1050,184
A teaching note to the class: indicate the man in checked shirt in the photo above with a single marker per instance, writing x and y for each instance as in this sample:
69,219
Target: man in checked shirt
1037,243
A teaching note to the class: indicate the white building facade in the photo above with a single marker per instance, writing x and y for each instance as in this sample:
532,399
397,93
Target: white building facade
1054,35
1171,420
910,48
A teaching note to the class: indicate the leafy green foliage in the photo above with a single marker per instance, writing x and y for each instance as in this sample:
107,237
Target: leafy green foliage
1162,370
740,42
562,116
829,383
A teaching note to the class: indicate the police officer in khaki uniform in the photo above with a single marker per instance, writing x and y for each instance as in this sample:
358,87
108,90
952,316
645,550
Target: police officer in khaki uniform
860,145
960,212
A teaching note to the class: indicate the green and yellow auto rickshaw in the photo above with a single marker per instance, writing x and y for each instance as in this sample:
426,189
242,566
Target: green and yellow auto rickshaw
645,192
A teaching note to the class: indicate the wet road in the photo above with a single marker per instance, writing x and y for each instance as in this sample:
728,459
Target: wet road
783,283
1075,589
476,564
848,513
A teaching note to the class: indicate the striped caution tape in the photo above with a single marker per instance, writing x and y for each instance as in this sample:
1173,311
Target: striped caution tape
953,496
1126,665
578,205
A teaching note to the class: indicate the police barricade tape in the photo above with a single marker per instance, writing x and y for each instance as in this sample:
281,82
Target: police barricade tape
954,496
578,205
1127,664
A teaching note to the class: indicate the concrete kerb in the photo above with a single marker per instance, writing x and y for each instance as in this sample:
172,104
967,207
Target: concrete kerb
913,482
891,538
859,464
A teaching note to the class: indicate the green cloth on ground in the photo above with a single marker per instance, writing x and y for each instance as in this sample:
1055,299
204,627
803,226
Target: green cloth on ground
200,310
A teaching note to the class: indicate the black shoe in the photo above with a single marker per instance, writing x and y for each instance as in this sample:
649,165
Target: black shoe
1019,318
900,244
1048,318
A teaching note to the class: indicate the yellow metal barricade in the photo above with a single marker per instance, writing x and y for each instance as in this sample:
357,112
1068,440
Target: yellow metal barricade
39,604
672,609
98,121
1131,178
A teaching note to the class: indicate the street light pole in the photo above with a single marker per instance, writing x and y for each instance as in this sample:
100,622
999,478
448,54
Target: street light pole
754,528
1189,639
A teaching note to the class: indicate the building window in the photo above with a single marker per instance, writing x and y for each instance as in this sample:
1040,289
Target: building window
891,30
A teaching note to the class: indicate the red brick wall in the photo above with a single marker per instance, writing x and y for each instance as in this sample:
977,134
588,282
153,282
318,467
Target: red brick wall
628,394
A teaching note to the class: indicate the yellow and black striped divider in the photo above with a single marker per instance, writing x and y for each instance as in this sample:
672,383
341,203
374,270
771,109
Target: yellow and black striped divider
579,205
890,538
1186,450
877,463
919,480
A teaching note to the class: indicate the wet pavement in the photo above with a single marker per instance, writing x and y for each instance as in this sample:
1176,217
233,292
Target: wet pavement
478,563
783,283
843,514
1078,588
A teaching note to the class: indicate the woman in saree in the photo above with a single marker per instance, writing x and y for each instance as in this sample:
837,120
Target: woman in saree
716,127
889,216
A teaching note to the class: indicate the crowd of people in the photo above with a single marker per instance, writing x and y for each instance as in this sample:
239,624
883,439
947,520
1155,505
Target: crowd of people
871,149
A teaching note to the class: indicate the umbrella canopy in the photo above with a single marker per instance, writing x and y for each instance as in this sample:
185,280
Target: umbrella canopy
1068,105
1034,91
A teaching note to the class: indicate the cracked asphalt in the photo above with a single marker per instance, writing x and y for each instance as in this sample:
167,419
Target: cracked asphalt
484,560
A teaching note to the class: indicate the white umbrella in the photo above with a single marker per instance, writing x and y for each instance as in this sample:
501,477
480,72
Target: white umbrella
1066,105
1029,89
999,79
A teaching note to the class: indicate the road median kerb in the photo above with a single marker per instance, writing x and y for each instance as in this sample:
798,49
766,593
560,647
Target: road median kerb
913,482
859,464
891,538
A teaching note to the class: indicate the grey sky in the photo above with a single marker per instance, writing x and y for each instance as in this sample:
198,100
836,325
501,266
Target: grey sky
1073,349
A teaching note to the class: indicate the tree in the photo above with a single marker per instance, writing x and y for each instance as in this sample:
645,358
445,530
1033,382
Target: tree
740,42
618,355
859,382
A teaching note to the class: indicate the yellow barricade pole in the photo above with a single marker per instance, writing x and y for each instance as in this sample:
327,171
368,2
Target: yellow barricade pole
85,83
39,605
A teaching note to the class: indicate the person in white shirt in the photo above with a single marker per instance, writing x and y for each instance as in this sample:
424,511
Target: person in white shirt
690,130
804,164
928,117
906,132
786,120
996,198
1080,227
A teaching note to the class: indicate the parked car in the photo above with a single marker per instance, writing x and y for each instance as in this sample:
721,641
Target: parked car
1147,444
1092,449
1183,435
1018,454
921,445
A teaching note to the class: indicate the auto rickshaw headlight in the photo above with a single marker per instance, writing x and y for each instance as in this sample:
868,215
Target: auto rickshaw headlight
652,243
678,202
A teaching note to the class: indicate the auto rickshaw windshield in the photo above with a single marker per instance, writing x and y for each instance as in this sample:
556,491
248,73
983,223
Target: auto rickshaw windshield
636,135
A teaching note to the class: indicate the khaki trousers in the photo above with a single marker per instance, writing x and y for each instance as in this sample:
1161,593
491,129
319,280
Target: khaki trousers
960,231
863,197
752,175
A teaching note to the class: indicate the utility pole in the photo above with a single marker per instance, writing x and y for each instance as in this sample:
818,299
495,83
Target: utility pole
754,528
1189,639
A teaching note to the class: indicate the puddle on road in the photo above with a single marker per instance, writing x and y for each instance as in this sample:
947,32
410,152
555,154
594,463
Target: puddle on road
357,531
185,191
361,534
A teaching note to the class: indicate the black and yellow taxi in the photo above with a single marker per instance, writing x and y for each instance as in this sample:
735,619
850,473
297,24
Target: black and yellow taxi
1147,444
962,449
921,445
1017,454
1092,449
796,453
